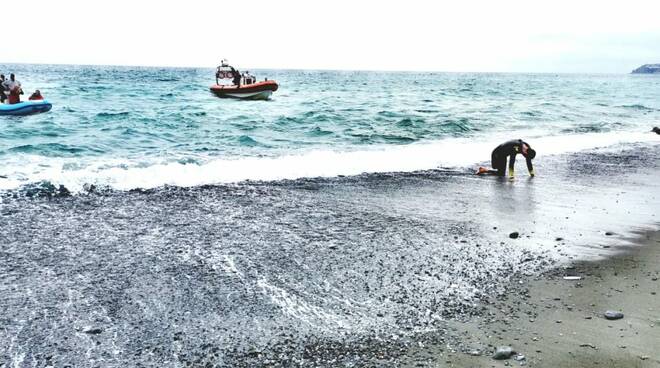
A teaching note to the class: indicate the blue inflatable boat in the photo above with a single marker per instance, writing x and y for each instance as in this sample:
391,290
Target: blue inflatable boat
25,108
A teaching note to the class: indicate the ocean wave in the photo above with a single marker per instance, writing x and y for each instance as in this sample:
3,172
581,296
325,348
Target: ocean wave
375,138
586,129
109,115
596,127
457,153
409,122
637,107
51,149
461,125
247,141
392,114
318,132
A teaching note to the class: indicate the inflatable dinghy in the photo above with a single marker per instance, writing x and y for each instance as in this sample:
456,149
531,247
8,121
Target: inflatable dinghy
25,108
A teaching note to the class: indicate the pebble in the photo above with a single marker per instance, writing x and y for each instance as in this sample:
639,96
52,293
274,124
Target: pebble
588,346
514,235
503,352
92,330
572,278
613,315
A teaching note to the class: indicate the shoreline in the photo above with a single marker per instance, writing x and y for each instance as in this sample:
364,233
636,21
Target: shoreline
554,322
371,270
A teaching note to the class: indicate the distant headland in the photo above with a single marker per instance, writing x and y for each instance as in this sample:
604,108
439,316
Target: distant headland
647,69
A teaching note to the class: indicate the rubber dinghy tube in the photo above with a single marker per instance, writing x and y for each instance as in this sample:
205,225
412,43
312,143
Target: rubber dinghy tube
25,108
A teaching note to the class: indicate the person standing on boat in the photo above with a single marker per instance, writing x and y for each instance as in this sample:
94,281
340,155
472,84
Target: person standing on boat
14,88
237,76
3,96
249,78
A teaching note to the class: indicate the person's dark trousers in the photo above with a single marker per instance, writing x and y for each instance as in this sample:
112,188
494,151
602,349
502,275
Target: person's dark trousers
499,164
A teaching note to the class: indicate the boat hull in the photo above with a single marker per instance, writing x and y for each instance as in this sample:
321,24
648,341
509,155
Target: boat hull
255,91
25,108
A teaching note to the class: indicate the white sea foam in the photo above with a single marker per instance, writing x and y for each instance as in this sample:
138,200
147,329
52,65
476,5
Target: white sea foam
447,153
301,309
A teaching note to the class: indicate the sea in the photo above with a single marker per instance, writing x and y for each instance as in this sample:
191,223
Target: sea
146,222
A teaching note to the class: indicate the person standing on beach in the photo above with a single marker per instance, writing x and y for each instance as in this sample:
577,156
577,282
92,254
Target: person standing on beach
510,149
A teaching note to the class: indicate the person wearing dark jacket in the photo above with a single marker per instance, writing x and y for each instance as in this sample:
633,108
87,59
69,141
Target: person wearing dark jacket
510,149
237,76
3,96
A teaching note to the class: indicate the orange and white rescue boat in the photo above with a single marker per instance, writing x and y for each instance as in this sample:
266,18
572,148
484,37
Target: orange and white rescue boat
253,91
242,85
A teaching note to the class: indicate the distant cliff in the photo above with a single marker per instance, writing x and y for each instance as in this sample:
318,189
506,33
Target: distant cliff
648,69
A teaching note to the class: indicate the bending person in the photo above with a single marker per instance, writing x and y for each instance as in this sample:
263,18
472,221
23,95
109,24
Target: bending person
509,149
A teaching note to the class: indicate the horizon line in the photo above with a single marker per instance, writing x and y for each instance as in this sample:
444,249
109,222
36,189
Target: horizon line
320,69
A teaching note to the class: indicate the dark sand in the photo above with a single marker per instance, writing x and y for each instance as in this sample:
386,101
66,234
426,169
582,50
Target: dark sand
555,322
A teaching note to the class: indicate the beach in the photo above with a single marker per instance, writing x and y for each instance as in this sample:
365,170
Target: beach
330,226
349,271
553,322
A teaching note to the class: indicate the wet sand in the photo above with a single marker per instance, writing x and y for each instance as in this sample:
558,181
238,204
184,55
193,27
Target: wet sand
326,272
554,322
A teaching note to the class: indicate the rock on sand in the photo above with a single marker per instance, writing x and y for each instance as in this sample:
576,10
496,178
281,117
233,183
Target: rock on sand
503,352
613,315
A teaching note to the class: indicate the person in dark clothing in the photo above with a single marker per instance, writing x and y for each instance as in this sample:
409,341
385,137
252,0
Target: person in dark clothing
237,77
510,149
3,96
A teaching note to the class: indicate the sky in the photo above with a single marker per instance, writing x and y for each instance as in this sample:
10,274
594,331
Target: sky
455,36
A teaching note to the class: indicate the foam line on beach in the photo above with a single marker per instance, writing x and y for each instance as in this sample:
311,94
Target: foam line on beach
447,153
